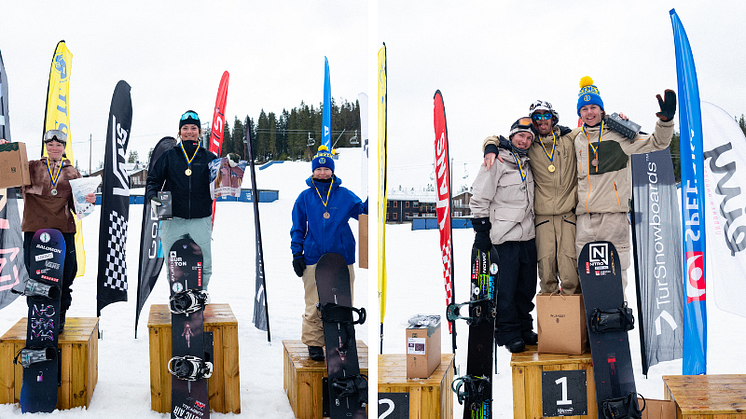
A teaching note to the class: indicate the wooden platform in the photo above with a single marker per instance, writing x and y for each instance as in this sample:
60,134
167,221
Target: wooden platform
224,387
527,369
302,377
707,396
428,397
79,374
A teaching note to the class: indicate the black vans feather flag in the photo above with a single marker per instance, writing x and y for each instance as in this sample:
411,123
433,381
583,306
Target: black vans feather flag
115,200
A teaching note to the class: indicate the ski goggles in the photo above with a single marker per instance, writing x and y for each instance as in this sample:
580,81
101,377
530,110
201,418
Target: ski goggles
522,125
541,116
55,135
189,115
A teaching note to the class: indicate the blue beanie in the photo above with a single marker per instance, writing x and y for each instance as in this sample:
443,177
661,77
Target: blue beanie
323,158
588,94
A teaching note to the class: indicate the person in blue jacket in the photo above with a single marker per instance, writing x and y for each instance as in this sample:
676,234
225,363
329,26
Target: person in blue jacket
321,217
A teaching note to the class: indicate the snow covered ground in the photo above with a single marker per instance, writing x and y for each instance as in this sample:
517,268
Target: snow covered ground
415,285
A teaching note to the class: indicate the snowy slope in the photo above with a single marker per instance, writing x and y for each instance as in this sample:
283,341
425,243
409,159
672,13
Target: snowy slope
123,389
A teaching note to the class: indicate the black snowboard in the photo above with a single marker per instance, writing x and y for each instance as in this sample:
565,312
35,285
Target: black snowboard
348,393
603,295
41,377
189,399
475,389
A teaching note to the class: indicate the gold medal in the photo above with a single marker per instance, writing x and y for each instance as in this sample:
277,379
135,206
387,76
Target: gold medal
594,162
551,168
327,215
54,192
188,172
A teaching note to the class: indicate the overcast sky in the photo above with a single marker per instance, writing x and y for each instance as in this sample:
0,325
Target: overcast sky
492,59
173,54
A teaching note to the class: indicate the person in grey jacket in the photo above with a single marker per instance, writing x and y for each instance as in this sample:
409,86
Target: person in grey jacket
503,209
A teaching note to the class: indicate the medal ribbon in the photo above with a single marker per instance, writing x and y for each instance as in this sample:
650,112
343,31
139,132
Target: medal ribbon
327,193
520,168
600,135
550,156
54,177
189,160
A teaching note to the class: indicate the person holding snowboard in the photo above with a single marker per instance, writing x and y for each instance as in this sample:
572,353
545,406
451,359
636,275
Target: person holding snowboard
604,177
321,217
184,171
503,209
553,164
48,203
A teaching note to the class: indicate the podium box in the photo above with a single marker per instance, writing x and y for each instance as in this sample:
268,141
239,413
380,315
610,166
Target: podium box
429,397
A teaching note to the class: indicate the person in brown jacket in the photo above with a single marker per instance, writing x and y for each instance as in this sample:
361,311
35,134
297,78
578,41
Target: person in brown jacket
553,163
48,203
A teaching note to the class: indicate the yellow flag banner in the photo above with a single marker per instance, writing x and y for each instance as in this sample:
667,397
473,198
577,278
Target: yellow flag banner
57,117
382,184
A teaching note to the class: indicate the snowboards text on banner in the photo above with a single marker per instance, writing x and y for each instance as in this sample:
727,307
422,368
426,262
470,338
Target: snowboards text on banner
692,206
261,310
326,112
725,183
443,209
218,123
12,269
57,116
382,185
115,201
151,254
656,240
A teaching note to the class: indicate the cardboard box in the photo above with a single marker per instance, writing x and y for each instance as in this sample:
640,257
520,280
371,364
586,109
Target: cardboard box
14,165
363,241
423,350
658,409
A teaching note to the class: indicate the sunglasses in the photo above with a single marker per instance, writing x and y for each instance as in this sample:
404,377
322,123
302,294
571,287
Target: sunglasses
540,116
55,135
189,115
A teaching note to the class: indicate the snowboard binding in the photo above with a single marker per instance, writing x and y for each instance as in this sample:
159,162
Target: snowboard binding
190,368
479,310
624,407
188,301
35,288
472,390
351,385
335,313
31,356
619,319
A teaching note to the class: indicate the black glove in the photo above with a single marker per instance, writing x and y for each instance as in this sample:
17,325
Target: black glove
482,227
299,264
668,106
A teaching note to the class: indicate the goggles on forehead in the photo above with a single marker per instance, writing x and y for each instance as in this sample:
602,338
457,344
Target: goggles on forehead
523,123
189,115
55,135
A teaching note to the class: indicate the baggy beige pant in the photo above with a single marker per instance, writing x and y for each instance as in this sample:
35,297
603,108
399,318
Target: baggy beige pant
612,227
312,331
555,253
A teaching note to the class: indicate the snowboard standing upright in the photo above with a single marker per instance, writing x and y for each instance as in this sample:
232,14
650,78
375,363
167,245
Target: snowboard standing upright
191,364
474,390
40,357
348,389
608,319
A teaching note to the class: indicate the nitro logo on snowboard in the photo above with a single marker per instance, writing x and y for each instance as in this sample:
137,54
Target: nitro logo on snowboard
599,258
695,278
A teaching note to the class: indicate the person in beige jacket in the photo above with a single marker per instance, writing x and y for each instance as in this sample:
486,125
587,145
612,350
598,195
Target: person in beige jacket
604,177
554,167
503,209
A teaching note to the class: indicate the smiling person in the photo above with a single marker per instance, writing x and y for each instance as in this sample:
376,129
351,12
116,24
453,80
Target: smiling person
553,164
183,170
321,216
48,203
503,209
604,177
